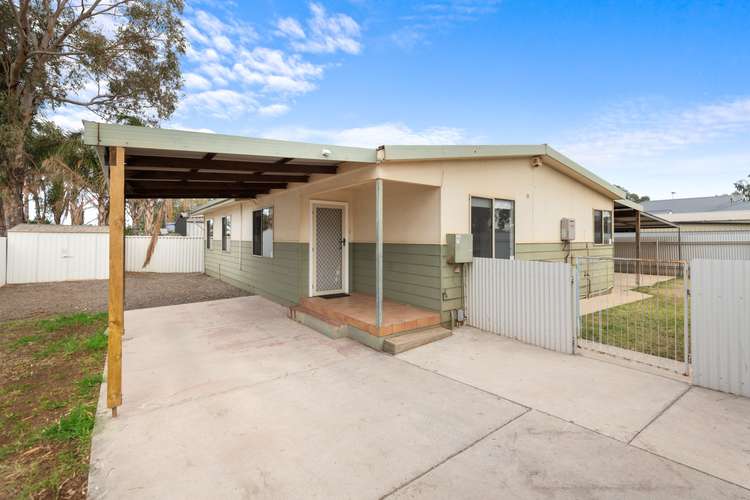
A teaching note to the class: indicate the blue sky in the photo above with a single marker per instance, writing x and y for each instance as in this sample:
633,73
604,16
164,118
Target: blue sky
654,96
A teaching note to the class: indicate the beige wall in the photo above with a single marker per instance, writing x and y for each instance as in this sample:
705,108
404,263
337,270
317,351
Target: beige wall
425,213
411,212
542,195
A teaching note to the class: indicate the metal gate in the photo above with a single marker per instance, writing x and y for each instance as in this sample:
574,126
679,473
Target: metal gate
636,309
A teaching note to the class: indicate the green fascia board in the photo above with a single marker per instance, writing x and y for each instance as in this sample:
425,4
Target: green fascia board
106,134
630,204
584,172
422,153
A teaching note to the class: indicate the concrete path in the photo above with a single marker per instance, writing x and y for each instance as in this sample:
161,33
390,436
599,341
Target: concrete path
230,399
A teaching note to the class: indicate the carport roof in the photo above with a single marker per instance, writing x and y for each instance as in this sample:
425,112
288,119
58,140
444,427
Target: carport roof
625,217
163,163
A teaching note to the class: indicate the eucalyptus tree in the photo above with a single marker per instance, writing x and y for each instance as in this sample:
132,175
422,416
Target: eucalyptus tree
113,57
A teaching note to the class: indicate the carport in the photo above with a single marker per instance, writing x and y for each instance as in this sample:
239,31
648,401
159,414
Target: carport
630,217
143,162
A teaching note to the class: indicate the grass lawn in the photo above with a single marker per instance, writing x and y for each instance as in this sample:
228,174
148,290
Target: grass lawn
652,326
50,375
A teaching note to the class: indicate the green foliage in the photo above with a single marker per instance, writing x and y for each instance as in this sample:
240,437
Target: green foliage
633,196
89,382
742,188
77,424
70,320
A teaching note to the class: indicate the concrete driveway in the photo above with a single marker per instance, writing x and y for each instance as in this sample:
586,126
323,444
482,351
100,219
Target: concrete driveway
231,399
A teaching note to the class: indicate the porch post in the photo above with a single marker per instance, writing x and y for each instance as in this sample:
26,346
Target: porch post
116,276
378,253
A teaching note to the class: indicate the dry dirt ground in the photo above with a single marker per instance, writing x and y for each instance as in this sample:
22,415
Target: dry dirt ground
37,300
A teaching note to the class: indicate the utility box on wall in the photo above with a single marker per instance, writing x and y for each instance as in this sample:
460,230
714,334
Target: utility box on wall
567,229
460,248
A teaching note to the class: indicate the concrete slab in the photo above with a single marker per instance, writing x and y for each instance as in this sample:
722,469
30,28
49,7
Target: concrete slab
173,354
600,396
539,456
233,400
705,429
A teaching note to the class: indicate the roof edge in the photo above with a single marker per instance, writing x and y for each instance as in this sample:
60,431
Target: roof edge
107,134
467,152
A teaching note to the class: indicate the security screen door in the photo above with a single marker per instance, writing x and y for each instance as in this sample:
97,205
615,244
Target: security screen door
330,249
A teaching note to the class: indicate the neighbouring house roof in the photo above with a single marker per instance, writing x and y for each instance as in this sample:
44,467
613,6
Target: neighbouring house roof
163,163
718,203
57,228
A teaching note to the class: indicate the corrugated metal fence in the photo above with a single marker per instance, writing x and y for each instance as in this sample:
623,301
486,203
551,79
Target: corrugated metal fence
721,325
43,257
664,245
174,254
3,259
529,301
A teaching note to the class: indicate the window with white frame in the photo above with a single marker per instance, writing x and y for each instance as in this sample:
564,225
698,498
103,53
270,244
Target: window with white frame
263,232
209,232
603,227
493,227
226,233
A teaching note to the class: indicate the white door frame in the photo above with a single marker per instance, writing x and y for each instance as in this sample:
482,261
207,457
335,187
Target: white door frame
313,243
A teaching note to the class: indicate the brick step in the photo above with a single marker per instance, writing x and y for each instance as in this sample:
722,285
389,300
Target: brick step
400,343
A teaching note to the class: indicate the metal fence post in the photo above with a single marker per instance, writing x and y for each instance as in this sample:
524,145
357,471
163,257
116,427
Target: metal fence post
686,317
576,303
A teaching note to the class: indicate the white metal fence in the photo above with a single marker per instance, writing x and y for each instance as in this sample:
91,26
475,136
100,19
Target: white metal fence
639,317
174,254
529,301
35,257
689,245
3,260
42,257
721,325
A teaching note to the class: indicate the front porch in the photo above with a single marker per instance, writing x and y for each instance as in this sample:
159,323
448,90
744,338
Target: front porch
358,310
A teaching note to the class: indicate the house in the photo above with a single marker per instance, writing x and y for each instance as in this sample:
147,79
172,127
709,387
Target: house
355,240
709,213
318,238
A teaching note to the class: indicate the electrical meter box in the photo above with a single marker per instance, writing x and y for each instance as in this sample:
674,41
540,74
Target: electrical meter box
460,248
567,229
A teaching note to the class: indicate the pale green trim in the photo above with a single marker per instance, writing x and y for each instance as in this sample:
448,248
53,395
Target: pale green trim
106,134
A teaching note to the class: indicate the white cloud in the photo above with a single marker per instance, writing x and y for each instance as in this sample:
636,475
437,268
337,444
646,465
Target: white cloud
327,33
221,103
290,27
373,135
195,81
426,18
639,129
223,54
273,110
70,117
223,43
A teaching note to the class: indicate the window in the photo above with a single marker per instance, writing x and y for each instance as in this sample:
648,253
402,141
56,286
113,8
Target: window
209,232
492,227
226,233
263,232
603,227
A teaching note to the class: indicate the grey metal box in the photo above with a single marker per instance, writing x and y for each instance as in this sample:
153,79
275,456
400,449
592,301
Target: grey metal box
460,248
567,229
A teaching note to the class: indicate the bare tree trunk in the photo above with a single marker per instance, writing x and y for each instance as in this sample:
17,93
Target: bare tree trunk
102,209
13,205
3,228
77,211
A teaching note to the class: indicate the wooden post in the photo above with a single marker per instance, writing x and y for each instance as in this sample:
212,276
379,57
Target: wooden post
116,276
